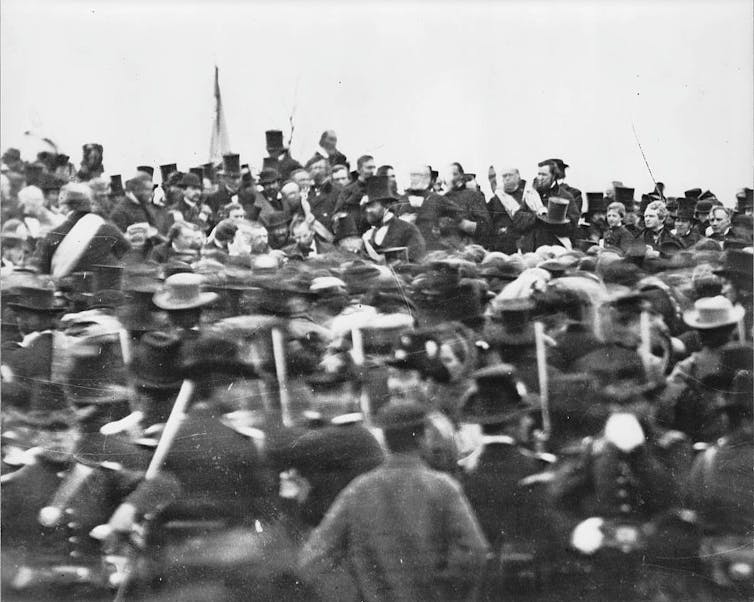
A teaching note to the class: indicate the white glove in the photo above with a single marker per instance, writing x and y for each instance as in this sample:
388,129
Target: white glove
587,537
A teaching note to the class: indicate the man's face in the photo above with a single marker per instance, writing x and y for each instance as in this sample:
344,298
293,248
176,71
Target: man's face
613,219
651,220
278,236
258,240
238,214
192,194
391,175
367,169
318,171
292,195
303,236
15,254
702,218
271,189
682,226
544,178
143,191
274,151
304,181
231,183
340,177
719,221
454,176
374,211
330,141
511,180
52,198
185,240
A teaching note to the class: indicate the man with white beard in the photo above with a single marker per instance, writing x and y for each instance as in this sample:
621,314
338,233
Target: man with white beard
434,215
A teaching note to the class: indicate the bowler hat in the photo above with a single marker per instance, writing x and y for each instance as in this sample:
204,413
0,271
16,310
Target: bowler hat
274,139
496,397
156,361
231,164
190,180
713,312
378,189
399,416
183,291
268,176
557,209
36,299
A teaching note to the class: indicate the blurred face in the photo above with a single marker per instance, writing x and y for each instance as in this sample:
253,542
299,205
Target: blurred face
367,169
192,194
511,180
271,189
238,214
143,191
278,236
451,362
544,179
292,195
318,171
52,198
651,220
258,240
404,385
454,176
391,175
613,219
185,239
303,236
374,212
340,177
330,141
419,178
15,254
232,183
304,181
719,221
682,226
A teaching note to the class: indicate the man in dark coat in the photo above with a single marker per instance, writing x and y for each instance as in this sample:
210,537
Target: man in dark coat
560,174
504,234
388,231
405,532
279,157
553,228
474,221
230,187
189,207
430,212
655,235
81,242
323,195
547,185
136,207
328,143
684,229
349,200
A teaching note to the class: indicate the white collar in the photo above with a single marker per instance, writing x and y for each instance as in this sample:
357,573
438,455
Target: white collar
387,217
505,439
324,153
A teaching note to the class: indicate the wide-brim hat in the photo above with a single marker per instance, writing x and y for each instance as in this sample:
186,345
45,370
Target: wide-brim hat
713,312
557,210
33,299
496,396
183,291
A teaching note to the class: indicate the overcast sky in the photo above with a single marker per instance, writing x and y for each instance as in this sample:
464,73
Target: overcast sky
507,83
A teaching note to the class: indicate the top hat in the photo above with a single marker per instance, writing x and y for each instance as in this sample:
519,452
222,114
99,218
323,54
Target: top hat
166,170
268,175
190,180
496,397
557,209
398,416
156,359
737,263
215,354
378,189
198,172
274,140
36,299
183,291
231,164
345,227
97,373
713,312
595,202
624,195
116,184
686,207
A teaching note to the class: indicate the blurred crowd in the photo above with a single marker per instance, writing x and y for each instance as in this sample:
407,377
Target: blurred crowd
313,381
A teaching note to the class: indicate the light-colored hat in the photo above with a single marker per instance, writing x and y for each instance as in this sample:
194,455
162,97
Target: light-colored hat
183,291
713,312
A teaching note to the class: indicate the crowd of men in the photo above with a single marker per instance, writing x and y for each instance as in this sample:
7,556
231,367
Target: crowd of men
304,382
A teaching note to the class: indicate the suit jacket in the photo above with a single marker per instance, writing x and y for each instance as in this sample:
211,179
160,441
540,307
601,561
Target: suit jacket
658,240
620,238
107,247
503,234
217,200
401,234
322,202
334,158
349,201
472,207
427,217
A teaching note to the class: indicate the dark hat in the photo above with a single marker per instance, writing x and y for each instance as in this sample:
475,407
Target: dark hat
584,245
209,171
231,164
49,182
359,276
107,299
419,350
379,189
737,263
156,361
345,227
97,373
595,202
707,195
694,193
36,299
557,209
33,173
269,163
433,174
397,416
671,205
274,139
268,176
275,219
190,180
703,206
166,170
496,397
745,200
624,195
147,169
246,173
198,172
215,354
686,209
558,163
116,184
11,155
108,277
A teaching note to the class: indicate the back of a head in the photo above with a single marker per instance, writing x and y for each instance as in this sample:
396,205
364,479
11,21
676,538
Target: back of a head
77,196
403,426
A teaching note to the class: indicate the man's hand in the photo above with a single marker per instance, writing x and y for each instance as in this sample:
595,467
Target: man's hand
123,518
587,537
467,226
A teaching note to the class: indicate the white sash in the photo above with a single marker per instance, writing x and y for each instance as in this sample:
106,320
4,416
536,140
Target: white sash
74,244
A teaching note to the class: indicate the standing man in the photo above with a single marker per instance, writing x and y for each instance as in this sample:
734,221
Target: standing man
547,185
405,532
279,157
327,149
387,231
474,222
229,188
504,234
349,201
560,169
719,225
136,206
189,207
654,234
323,194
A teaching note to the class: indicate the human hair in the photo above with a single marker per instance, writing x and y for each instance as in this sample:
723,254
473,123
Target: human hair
459,167
178,227
336,168
363,159
77,196
314,160
296,172
618,208
383,170
232,207
659,207
725,210
404,439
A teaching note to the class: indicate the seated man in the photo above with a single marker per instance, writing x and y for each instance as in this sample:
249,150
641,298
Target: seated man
306,243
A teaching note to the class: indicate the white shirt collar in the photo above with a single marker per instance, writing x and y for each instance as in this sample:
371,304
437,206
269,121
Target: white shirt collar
324,153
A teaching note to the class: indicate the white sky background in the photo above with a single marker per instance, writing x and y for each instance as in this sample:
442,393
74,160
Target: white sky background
508,83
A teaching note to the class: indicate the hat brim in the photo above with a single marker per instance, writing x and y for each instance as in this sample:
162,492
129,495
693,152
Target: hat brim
547,220
41,310
164,301
213,365
529,404
691,318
